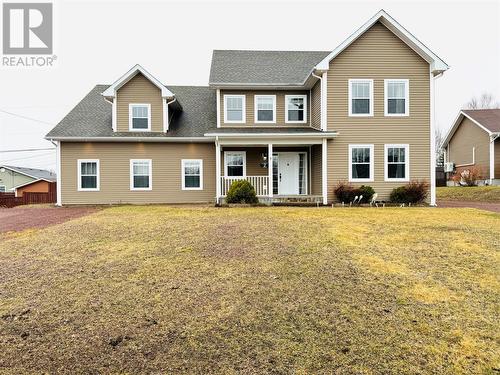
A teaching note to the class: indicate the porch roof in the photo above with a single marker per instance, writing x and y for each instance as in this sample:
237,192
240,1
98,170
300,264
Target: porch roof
275,132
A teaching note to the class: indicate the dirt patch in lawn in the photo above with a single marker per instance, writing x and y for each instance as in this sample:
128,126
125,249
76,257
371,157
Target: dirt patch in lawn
21,218
196,290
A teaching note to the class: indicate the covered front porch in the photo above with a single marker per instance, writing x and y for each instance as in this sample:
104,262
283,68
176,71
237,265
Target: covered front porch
281,170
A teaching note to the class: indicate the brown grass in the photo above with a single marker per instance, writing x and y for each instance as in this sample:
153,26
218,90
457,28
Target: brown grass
469,193
253,290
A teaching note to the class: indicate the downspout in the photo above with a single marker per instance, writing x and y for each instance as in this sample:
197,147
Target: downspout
493,137
433,137
321,101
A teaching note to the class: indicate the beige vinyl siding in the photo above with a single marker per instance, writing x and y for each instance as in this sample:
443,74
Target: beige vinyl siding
115,172
468,136
497,158
11,179
249,108
316,173
316,106
378,54
139,90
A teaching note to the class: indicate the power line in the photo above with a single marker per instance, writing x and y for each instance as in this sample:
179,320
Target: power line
28,149
26,117
28,157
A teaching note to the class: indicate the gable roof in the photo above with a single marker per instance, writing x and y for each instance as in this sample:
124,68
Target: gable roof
31,182
486,119
37,174
437,64
110,92
262,68
91,117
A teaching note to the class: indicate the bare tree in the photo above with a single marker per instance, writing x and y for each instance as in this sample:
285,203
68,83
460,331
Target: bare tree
486,101
439,138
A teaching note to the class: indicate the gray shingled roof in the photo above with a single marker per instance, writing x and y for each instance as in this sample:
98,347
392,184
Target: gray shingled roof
263,67
33,172
91,117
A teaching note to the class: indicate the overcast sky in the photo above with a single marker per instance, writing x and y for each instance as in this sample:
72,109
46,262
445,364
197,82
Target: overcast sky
98,41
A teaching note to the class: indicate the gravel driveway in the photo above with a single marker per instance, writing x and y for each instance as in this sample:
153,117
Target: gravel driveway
20,218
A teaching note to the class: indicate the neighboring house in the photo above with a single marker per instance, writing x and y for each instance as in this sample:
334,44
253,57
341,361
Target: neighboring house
474,141
12,177
36,186
294,124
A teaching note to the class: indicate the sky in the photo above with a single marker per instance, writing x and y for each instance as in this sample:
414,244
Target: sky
98,41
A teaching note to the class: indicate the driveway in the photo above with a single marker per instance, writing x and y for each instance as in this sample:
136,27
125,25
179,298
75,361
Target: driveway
488,206
20,218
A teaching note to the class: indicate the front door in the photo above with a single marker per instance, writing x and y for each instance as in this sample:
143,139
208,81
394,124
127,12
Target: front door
288,173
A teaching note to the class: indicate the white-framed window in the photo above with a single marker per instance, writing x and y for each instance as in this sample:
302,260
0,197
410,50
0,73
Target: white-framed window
192,174
3,188
361,163
141,174
234,109
296,108
396,97
361,97
139,117
265,108
397,162
88,174
235,163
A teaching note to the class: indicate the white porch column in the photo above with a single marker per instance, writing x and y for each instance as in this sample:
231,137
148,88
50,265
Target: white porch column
324,172
270,169
217,172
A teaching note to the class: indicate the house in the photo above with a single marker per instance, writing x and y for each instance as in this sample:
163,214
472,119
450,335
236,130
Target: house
474,142
14,177
293,123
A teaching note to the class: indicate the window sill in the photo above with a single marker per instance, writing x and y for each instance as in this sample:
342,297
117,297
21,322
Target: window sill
82,189
141,189
361,180
396,180
360,115
396,115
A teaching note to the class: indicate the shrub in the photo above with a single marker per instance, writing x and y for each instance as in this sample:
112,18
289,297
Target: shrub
467,177
413,192
241,191
367,193
345,192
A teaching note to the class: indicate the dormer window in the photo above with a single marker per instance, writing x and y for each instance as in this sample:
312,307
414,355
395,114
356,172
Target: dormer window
139,117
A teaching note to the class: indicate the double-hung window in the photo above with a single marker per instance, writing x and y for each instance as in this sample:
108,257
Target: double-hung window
397,97
360,163
141,174
192,174
265,108
235,164
397,164
361,97
88,174
234,109
295,108
3,189
139,117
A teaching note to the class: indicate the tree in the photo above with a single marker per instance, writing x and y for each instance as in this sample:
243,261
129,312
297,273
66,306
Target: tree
486,101
438,139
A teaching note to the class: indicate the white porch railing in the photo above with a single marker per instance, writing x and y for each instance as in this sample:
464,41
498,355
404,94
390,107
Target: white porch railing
260,184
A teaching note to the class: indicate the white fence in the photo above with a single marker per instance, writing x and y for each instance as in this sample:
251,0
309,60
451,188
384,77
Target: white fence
260,184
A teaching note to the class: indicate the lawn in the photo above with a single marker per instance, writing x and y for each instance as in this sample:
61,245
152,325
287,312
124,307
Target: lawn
471,193
254,290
